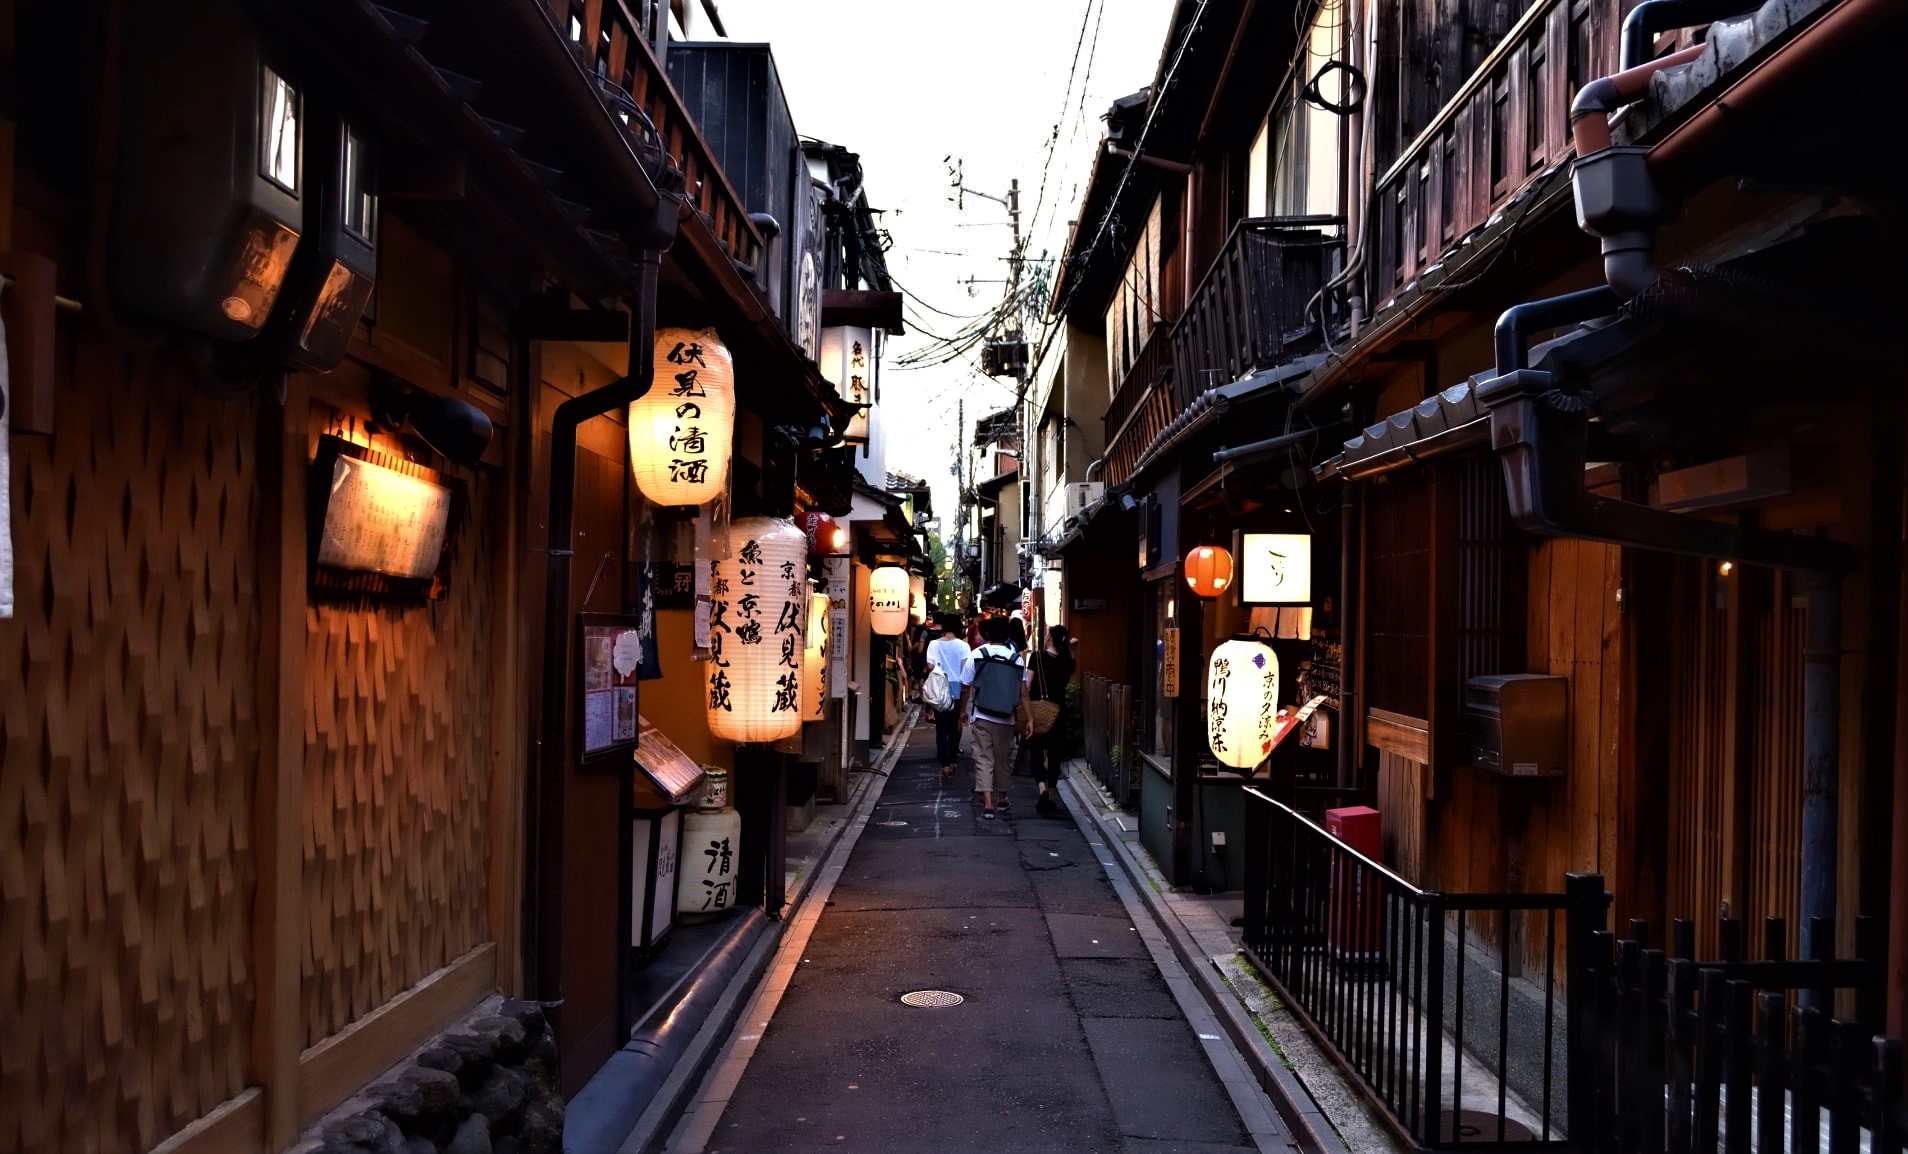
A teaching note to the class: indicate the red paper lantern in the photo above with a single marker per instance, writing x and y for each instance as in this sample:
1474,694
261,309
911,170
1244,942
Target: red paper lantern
826,536
1209,570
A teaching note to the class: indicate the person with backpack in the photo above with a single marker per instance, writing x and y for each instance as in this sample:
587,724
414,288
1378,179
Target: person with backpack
994,689
941,689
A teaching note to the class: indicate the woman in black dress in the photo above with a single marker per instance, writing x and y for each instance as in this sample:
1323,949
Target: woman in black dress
1052,670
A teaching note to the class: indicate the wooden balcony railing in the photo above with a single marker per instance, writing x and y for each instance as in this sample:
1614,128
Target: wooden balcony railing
614,44
1507,126
1247,314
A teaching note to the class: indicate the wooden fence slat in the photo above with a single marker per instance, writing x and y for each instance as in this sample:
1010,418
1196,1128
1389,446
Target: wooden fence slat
1739,1012
1709,1061
1804,1122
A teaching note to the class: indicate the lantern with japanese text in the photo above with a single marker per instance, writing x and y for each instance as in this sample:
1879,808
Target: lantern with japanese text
815,660
758,612
1209,570
888,600
1242,701
680,432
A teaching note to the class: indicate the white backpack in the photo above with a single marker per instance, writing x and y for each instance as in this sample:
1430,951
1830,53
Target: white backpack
935,690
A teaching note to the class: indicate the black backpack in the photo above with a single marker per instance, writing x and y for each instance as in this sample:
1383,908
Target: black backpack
996,684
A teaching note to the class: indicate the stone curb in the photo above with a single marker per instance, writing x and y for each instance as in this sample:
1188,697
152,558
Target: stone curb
653,1128
1289,1095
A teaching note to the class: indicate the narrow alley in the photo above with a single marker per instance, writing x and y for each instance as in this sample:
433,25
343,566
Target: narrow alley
1070,1033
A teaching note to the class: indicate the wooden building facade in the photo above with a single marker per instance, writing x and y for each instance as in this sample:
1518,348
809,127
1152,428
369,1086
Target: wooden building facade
269,827
1690,514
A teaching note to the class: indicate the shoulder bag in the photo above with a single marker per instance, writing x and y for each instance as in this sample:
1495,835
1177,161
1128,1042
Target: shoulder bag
1044,713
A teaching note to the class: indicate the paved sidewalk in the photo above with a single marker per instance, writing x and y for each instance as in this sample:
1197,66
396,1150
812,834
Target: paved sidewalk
1070,1037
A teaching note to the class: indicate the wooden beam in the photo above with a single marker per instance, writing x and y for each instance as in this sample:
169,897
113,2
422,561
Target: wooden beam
331,1071
508,751
235,1126
278,927
1407,737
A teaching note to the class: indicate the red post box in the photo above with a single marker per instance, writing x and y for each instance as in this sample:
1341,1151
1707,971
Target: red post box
1354,926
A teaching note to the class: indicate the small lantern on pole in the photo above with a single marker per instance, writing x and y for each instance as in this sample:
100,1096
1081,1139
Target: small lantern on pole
1242,701
680,432
888,600
758,611
1209,570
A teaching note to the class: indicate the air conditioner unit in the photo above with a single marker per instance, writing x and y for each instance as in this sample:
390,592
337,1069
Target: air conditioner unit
1080,494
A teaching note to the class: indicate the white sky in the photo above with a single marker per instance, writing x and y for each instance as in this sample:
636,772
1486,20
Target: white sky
906,83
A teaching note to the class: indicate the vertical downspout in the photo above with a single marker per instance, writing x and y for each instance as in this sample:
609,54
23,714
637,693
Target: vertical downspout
1348,640
553,748
1821,731
1896,978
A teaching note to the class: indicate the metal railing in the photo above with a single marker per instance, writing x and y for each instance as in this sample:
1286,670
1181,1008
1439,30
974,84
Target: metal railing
1733,1054
1448,1008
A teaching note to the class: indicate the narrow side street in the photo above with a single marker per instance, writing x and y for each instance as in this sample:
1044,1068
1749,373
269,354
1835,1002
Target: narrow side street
1068,1036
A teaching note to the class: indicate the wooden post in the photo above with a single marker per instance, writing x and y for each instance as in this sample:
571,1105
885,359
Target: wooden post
508,754
279,925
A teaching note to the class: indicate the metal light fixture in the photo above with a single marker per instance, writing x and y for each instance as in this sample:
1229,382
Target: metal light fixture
457,429
337,264
210,201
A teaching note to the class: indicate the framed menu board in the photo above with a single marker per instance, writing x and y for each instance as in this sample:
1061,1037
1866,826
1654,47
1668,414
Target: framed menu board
380,526
610,653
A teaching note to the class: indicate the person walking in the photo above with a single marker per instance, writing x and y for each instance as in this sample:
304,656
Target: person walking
1052,670
994,690
947,655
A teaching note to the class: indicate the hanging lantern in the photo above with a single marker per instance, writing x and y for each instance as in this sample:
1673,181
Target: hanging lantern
758,609
888,600
680,432
1209,570
815,660
827,537
1242,701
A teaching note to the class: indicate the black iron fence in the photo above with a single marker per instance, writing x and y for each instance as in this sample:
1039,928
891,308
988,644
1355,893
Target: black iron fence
1737,1055
1450,1009
1447,1007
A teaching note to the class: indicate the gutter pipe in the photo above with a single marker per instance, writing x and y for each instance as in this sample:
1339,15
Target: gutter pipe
650,239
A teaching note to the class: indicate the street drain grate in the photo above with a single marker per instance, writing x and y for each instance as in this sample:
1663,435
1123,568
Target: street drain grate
891,823
931,999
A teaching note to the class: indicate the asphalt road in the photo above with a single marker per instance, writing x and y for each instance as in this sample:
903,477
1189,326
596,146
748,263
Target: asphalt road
1068,1038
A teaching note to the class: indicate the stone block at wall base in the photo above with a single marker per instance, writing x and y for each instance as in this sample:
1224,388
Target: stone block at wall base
488,1085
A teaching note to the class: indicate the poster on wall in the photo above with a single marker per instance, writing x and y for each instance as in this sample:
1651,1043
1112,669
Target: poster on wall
840,573
610,654
380,525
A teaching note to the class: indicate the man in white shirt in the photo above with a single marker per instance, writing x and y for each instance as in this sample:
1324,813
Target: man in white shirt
948,653
994,690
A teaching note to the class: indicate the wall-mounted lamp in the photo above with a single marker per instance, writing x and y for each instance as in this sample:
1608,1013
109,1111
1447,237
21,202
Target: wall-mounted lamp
457,429
337,263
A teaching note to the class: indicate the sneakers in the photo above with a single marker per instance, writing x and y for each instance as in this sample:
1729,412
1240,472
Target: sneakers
988,814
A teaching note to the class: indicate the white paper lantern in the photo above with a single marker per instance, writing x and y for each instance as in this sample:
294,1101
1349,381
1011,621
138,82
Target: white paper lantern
1242,702
681,431
758,610
815,660
888,601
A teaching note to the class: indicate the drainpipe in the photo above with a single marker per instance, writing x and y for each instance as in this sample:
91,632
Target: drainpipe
1652,16
1821,735
1348,766
549,831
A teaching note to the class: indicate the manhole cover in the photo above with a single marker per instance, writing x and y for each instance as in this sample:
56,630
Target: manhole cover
891,823
931,999
1480,1126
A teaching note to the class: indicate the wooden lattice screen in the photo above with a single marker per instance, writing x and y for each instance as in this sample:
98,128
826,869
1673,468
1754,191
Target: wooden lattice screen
128,747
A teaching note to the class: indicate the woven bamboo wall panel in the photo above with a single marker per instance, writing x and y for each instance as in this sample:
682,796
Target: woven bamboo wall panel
128,746
397,771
